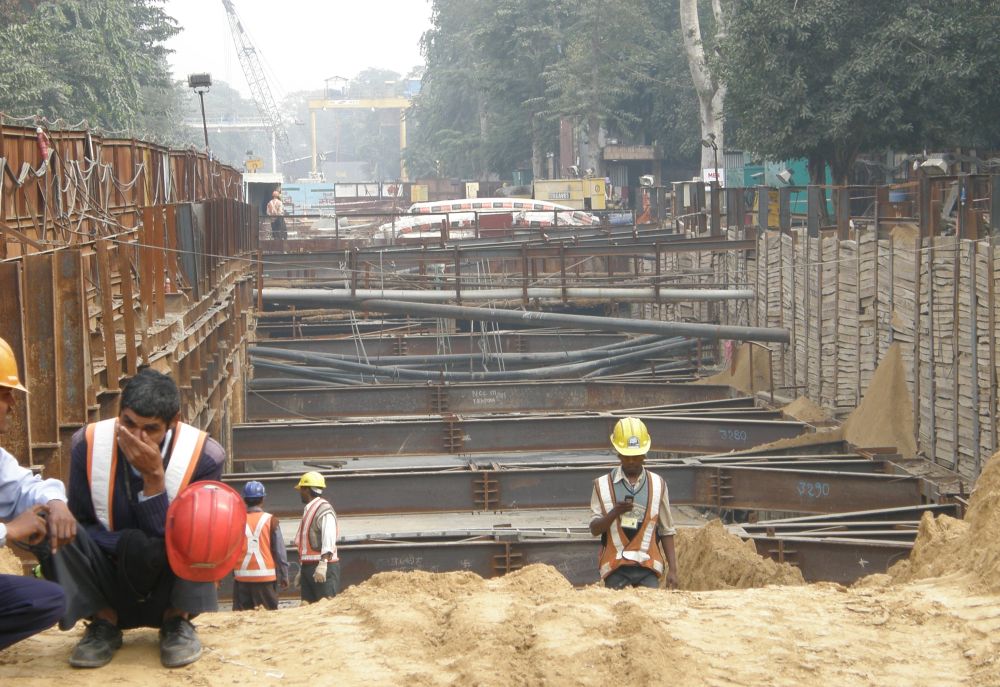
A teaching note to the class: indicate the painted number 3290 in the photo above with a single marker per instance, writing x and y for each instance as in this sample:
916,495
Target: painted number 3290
814,490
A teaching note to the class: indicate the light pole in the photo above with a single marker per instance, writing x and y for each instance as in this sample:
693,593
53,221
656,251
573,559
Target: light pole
709,142
716,220
200,83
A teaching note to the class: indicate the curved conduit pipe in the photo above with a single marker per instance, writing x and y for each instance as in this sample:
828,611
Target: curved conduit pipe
574,369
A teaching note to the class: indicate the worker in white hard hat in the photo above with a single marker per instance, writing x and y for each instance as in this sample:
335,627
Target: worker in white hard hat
33,512
631,510
316,541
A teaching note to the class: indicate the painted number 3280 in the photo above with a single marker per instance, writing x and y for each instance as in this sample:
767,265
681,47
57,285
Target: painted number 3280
814,490
733,434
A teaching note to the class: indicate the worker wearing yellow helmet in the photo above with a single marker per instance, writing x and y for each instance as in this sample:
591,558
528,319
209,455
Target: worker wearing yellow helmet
631,510
316,541
33,512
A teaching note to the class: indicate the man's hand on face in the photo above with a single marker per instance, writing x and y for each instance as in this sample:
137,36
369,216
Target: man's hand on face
29,526
62,524
143,454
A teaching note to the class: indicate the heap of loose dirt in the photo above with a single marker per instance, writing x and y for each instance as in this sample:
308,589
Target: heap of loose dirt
749,371
946,546
709,557
885,416
804,410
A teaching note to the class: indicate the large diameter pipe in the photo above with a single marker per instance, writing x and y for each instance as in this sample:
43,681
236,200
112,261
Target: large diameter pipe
535,318
641,294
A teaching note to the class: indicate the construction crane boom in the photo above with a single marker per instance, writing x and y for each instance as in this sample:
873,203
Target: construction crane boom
259,88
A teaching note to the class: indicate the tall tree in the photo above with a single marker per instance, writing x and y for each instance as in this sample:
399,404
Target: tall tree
827,79
445,137
88,59
710,88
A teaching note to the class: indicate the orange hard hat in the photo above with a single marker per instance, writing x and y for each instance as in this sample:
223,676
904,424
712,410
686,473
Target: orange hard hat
205,531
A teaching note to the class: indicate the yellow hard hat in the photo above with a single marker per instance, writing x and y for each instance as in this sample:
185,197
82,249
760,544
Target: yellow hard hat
311,479
8,367
631,438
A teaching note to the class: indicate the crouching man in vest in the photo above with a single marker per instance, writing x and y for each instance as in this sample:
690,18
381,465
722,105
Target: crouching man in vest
124,472
316,541
631,510
264,563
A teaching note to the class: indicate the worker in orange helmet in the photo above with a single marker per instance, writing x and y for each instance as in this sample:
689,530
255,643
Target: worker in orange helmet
316,541
33,513
124,473
631,510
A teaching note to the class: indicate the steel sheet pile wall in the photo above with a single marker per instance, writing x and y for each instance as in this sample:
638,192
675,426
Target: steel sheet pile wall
116,253
847,301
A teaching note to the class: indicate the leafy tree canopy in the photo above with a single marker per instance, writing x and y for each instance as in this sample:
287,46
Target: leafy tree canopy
98,60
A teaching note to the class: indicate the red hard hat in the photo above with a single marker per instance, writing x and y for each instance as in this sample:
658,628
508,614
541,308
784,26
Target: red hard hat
205,531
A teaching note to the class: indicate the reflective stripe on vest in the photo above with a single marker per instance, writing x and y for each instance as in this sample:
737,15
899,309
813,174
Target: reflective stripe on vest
102,463
642,549
258,561
308,554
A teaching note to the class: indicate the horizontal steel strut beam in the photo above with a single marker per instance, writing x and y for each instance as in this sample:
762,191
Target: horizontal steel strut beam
499,397
511,488
330,440
515,293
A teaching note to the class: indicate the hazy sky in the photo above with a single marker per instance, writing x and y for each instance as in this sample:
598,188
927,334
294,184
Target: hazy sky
300,42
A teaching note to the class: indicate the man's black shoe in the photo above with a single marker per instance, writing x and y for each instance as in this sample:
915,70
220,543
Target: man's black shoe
99,644
179,643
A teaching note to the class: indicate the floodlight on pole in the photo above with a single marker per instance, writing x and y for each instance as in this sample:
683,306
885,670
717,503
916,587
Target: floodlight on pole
709,142
200,83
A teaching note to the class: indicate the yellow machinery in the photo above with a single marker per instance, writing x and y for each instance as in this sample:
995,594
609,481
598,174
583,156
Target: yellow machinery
581,194
360,104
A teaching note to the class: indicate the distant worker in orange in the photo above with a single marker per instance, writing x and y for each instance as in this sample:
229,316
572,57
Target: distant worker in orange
316,541
276,210
263,565
631,510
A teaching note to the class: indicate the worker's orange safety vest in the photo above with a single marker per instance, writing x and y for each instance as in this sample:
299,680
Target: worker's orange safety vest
642,550
306,541
258,562
102,463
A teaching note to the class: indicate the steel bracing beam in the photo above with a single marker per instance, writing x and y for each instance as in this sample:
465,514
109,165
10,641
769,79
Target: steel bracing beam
500,397
331,440
525,488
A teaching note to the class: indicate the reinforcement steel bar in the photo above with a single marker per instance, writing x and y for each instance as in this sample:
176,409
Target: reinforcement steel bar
325,441
796,490
500,397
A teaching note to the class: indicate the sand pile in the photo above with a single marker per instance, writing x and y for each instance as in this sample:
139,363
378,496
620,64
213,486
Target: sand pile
947,546
9,563
709,557
885,416
804,410
746,374
531,628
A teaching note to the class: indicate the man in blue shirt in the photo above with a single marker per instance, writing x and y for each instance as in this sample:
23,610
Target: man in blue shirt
30,509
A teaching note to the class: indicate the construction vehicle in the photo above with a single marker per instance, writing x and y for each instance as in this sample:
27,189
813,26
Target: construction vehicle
587,193
259,88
